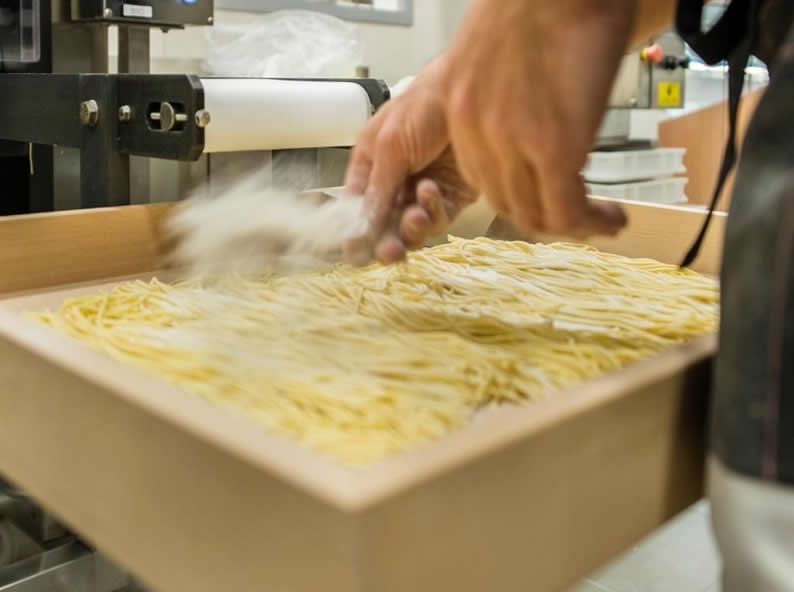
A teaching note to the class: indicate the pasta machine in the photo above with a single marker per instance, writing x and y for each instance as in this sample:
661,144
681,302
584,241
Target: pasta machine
76,134
112,117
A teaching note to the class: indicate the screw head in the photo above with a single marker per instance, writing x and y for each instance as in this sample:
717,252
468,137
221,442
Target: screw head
89,113
125,113
210,20
203,118
108,13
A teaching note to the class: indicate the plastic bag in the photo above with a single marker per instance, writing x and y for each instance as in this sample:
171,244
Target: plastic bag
288,43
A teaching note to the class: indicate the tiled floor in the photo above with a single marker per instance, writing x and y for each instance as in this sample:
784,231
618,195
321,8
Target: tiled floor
681,557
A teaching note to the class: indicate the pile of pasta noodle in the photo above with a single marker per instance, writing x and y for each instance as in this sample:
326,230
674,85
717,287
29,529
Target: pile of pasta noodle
364,363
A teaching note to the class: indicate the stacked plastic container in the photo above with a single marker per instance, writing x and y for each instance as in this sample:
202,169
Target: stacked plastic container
638,175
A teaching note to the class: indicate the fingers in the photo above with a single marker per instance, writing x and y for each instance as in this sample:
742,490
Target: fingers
471,163
389,173
373,172
358,251
390,250
358,171
415,226
425,218
405,137
568,211
521,191
435,204
379,165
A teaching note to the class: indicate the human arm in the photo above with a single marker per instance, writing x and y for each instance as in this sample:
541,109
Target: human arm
515,103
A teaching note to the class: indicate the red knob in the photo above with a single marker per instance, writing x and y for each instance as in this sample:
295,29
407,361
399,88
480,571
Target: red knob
653,54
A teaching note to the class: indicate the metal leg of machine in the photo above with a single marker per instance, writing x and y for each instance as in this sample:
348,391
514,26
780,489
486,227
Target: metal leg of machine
37,554
134,59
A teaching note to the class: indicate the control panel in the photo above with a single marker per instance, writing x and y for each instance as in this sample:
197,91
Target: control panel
163,13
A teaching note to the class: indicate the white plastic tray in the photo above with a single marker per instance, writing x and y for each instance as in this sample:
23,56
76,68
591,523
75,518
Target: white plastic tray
660,191
633,165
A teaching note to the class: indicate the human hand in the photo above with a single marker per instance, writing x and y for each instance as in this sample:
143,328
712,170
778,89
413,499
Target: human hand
518,98
526,84
404,166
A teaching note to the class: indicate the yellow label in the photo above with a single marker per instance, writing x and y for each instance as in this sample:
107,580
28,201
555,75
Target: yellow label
669,94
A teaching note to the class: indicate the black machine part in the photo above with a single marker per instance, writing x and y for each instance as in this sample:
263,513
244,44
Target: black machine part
110,117
161,13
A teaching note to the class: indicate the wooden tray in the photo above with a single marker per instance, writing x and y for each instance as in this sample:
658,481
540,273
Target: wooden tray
191,497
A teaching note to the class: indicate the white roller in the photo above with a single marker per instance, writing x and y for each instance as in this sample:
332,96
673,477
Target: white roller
259,114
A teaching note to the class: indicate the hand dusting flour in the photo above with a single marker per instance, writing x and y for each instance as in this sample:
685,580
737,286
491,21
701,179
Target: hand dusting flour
249,228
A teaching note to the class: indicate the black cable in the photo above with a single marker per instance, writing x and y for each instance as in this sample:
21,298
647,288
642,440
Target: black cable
740,20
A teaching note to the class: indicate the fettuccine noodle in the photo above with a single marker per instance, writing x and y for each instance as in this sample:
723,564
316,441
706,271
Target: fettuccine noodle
361,364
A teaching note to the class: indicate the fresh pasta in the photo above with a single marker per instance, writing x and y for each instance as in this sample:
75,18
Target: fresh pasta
364,363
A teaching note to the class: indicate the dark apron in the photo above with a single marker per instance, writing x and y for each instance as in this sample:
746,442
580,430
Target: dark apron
752,429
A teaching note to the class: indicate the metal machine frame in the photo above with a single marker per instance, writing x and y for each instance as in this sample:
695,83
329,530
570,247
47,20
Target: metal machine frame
110,117
643,85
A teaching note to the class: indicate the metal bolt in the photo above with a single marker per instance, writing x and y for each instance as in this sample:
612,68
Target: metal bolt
167,116
89,113
203,118
210,20
108,13
125,113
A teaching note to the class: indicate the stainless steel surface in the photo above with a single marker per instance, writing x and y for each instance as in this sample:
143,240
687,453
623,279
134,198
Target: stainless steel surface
37,554
80,48
89,113
25,513
674,46
626,91
615,128
134,58
15,544
637,83
71,567
75,48
68,568
134,52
